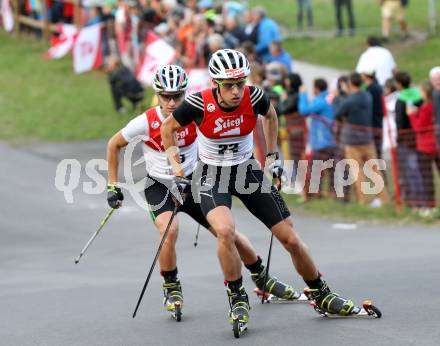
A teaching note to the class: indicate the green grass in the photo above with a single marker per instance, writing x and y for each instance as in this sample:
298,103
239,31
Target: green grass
45,100
366,13
344,52
355,212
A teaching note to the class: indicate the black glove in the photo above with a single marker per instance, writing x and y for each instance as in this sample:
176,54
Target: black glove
274,166
181,186
114,196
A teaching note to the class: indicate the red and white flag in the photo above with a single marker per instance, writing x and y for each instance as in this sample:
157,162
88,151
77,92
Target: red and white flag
198,80
63,43
87,54
8,17
157,53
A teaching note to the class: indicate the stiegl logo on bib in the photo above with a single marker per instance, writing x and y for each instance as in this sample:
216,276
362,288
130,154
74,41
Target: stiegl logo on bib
221,124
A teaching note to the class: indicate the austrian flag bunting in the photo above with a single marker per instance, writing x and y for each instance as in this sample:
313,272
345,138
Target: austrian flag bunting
157,53
87,54
8,17
63,43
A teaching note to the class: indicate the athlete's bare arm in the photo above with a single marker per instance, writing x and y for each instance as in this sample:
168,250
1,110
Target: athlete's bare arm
114,146
169,141
270,129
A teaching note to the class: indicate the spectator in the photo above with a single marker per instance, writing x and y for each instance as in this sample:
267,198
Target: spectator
422,121
215,42
123,83
321,140
357,137
340,94
390,9
295,125
273,85
339,4
234,30
233,9
434,75
304,6
267,33
389,127
377,59
251,27
376,93
277,53
123,32
290,99
94,16
410,178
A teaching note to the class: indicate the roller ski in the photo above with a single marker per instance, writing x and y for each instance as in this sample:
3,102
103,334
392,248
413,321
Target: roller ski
276,291
239,311
173,299
329,304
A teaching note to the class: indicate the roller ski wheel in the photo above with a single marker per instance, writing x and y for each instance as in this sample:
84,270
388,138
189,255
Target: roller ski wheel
371,310
270,298
368,310
177,312
173,299
238,327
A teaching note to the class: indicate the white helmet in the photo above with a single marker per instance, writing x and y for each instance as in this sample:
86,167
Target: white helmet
170,78
228,64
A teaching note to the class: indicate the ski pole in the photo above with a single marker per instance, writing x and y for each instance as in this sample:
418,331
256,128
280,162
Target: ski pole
155,259
266,274
197,236
103,222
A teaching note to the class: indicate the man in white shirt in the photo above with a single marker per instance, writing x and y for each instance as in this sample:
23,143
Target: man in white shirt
378,59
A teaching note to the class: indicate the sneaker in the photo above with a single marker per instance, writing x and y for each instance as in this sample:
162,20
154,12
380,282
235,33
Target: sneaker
330,302
172,292
239,305
274,286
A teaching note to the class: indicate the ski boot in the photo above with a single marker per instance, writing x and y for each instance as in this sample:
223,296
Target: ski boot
239,310
326,302
173,298
275,290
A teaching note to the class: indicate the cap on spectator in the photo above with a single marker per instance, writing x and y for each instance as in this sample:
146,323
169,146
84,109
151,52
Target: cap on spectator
274,73
203,4
434,71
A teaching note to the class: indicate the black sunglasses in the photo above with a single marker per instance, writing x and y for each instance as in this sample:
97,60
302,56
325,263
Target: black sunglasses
169,97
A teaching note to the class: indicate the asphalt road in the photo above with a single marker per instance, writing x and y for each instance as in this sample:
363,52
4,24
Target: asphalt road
45,299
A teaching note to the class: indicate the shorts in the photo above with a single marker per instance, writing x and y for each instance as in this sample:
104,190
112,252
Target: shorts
393,8
245,181
159,199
